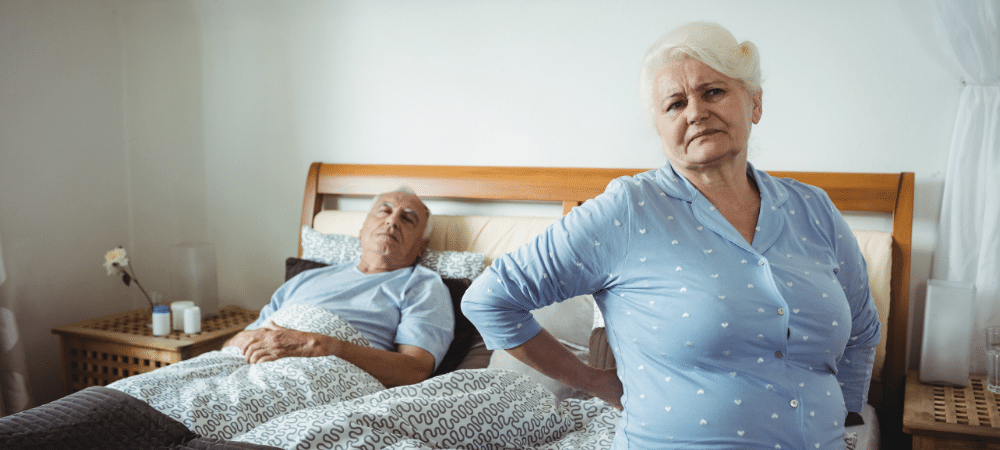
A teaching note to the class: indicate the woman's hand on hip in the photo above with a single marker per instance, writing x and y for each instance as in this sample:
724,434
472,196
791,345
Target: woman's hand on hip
606,385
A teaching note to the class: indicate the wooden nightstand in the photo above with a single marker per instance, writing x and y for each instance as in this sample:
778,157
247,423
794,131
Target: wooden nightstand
99,351
952,418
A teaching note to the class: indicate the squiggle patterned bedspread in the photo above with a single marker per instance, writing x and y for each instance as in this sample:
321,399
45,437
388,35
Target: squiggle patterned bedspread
327,402
470,409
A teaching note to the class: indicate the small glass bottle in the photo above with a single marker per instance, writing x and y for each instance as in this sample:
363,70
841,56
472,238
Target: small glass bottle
161,320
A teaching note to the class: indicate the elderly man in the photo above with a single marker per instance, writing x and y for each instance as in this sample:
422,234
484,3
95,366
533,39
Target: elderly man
402,308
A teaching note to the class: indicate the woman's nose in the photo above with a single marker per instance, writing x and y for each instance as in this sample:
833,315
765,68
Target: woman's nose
696,111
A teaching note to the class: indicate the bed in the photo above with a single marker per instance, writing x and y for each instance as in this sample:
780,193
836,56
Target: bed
889,194
524,408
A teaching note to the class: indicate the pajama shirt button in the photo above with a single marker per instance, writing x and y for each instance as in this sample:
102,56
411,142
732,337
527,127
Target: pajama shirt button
778,355
761,262
794,403
781,311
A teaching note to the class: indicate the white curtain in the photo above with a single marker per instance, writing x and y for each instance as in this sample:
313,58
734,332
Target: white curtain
13,379
968,247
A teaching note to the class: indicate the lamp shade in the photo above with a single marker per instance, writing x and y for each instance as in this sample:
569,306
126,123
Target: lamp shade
193,276
948,324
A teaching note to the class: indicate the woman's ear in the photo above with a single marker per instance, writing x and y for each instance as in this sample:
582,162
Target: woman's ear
757,99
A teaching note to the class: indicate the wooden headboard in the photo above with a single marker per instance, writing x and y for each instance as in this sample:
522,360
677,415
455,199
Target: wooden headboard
890,193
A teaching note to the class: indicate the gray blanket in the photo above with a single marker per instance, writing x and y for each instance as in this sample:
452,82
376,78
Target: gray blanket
102,418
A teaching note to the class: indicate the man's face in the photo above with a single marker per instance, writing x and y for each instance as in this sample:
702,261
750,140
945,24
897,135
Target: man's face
394,229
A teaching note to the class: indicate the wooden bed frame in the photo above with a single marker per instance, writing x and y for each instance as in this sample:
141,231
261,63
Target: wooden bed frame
867,192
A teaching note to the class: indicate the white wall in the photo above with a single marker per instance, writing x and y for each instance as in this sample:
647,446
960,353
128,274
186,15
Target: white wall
223,104
64,195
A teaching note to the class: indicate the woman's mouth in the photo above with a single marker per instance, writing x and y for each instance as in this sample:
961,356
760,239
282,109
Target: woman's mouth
702,134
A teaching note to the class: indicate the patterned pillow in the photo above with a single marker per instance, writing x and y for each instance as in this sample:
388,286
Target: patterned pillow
338,249
316,319
329,248
457,265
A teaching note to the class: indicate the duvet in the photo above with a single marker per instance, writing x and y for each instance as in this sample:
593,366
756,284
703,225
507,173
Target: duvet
327,402
219,401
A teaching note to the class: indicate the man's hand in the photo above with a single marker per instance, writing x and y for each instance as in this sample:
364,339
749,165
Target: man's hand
409,364
272,342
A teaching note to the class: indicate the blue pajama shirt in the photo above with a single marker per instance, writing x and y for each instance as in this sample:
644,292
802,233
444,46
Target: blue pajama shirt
719,344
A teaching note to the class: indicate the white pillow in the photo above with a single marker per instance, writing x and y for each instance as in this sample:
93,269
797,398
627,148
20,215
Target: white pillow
339,248
503,360
568,320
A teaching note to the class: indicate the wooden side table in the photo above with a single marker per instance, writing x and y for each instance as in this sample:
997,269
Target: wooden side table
952,418
99,351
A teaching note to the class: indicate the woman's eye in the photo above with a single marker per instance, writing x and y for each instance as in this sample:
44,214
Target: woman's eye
714,92
674,106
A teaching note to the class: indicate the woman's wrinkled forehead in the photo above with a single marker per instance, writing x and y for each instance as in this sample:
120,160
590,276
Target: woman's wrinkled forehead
676,77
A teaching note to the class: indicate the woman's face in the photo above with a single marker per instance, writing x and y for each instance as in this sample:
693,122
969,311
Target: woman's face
703,117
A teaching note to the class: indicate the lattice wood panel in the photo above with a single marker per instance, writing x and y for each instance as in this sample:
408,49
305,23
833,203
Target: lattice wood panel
138,323
94,363
99,351
972,405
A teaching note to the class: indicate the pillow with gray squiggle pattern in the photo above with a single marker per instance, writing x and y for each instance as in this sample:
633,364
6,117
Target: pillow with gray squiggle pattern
339,248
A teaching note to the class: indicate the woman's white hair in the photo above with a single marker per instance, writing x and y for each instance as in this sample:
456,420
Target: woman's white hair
707,42
409,190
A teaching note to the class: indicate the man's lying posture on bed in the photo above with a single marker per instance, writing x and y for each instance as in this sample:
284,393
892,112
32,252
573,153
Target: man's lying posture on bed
402,308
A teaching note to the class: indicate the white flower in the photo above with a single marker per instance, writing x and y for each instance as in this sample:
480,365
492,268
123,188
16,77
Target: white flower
115,262
114,259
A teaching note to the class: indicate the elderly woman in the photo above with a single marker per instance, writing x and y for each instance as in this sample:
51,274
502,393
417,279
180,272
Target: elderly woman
737,304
